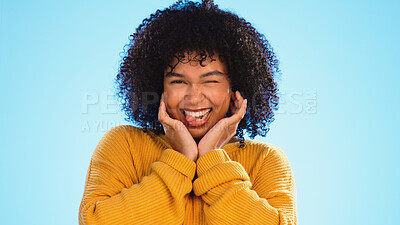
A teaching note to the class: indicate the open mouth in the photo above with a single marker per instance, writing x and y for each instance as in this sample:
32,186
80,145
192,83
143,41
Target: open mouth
196,118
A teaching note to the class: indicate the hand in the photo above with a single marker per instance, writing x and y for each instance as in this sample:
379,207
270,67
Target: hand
177,134
225,129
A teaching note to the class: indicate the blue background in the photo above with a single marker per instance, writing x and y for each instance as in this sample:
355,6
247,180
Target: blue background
338,121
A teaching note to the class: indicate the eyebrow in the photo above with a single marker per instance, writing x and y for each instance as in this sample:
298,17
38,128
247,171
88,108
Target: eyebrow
215,72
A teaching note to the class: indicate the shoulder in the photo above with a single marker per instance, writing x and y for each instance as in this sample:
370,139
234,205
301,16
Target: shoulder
128,132
121,139
128,138
256,154
264,149
122,130
261,153
269,151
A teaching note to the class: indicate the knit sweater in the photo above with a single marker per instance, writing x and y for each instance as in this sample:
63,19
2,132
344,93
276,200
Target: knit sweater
135,177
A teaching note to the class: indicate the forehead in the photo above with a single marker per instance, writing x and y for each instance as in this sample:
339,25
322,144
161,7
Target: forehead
196,62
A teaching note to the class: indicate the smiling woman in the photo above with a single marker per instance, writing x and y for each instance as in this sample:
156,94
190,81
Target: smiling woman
187,161
196,95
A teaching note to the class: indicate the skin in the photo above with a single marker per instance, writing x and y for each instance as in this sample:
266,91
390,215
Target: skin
192,86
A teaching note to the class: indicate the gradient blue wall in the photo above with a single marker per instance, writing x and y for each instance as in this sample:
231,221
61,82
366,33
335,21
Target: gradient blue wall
338,122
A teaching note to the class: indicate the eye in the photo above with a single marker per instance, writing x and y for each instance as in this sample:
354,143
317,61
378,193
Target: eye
177,82
212,81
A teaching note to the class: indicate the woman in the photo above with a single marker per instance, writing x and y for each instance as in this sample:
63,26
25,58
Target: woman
183,164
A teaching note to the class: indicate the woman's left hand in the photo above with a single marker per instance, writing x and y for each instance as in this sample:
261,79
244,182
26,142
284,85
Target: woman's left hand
225,129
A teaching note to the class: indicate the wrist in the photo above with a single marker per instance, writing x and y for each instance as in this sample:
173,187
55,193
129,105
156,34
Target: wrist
204,151
191,155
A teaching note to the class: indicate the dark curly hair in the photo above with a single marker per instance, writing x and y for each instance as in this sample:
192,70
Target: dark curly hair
206,29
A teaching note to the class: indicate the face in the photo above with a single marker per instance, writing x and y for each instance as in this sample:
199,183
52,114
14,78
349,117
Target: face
199,96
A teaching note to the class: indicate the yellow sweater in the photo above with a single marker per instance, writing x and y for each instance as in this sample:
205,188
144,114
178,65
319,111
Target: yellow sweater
135,177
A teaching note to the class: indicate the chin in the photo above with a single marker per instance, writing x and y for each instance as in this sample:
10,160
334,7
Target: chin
197,133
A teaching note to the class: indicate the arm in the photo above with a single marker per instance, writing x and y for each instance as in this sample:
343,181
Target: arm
225,186
114,195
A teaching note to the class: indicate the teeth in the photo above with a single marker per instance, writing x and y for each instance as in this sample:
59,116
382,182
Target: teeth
197,114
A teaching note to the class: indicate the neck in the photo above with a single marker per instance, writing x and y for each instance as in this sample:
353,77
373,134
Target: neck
233,139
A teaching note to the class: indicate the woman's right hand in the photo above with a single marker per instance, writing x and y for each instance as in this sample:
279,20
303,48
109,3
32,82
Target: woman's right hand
177,134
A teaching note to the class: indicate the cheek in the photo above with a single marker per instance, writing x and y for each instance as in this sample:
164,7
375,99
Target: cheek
221,98
172,95
221,93
172,100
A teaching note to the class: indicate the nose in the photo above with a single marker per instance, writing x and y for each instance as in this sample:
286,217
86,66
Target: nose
194,94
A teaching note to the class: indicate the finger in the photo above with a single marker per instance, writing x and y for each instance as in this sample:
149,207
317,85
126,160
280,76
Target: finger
239,113
243,108
163,97
163,115
235,102
166,120
161,111
239,99
233,96
237,96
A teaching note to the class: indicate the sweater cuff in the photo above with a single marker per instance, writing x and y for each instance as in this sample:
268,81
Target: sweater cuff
180,162
214,169
210,159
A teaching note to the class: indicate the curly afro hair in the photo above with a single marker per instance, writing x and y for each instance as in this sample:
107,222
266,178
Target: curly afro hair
206,29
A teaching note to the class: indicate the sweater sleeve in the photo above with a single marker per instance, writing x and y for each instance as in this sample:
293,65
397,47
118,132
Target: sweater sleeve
114,195
230,197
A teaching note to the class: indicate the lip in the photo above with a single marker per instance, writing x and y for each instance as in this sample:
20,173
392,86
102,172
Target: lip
195,110
197,124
